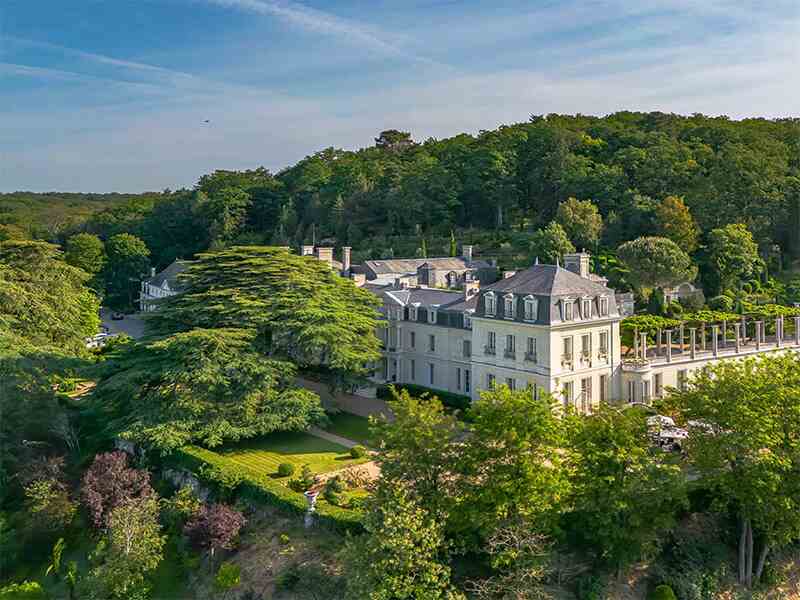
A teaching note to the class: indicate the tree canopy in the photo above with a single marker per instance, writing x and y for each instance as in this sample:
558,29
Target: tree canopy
301,309
201,386
655,262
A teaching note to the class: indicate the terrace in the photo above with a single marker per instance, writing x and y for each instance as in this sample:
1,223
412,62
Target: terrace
711,340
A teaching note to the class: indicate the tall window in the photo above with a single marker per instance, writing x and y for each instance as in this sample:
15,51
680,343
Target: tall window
567,348
603,388
567,393
413,369
432,343
603,306
631,391
604,342
458,379
467,348
489,381
531,308
467,375
568,307
412,313
490,304
658,385
432,373
467,321
586,309
491,342
511,344
432,316
530,353
412,339
586,346
508,306
586,394
511,383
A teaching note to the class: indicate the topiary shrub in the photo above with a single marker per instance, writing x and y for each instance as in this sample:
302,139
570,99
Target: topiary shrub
663,592
333,490
358,452
285,469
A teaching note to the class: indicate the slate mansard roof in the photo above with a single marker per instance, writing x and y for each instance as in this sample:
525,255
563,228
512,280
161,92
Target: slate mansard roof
378,268
549,285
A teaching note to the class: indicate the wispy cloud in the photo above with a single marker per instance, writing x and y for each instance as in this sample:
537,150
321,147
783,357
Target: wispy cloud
318,21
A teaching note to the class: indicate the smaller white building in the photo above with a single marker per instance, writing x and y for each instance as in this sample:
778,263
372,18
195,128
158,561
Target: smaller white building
161,285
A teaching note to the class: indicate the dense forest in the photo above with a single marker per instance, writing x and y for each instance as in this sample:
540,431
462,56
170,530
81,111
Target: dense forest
510,180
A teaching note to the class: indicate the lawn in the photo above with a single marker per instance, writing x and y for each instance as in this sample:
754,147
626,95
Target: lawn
351,427
263,455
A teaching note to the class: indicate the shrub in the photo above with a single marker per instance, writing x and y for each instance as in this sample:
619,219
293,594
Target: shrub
590,587
26,589
284,539
723,303
448,399
358,452
663,592
285,469
333,490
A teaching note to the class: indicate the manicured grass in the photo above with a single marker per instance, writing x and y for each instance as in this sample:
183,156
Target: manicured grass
351,427
263,455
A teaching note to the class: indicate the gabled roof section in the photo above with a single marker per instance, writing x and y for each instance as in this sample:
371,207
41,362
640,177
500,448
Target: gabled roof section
548,280
170,275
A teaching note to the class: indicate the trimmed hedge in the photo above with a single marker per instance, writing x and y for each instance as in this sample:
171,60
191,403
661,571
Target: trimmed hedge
262,489
384,392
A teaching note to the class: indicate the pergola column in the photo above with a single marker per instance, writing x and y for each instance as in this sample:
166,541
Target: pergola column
636,343
736,327
644,346
658,343
779,331
715,339
758,334
680,333
692,341
797,331
744,329
669,344
724,332
703,337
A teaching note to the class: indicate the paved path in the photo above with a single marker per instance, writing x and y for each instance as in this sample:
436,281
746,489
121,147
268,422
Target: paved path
133,325
332,437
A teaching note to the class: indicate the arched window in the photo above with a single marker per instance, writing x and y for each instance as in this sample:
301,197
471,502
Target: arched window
508,306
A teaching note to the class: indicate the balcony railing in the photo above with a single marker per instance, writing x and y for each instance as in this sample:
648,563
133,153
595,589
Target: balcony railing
566,360
510,354
531,357
490,350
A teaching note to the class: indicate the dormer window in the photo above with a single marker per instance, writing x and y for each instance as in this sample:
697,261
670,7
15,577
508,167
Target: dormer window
432,316
412,312
508,306
468,320
490,304
603,306
586,308
567,306
531,308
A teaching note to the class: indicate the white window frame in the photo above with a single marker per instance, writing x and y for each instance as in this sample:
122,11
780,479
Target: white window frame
432,315
531,308
413,313
586,308
509,306
568,309
490,304
603,301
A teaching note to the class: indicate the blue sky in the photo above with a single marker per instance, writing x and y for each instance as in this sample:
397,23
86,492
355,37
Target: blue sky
112,95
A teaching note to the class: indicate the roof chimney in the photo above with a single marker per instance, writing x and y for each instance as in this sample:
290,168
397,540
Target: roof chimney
578,263
471,289
466,252
325,254
346,259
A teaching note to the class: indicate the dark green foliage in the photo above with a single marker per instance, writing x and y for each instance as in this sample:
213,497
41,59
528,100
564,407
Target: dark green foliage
449,399
333,490
300,309
285,469
358,451
128,260
206,386
662,592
